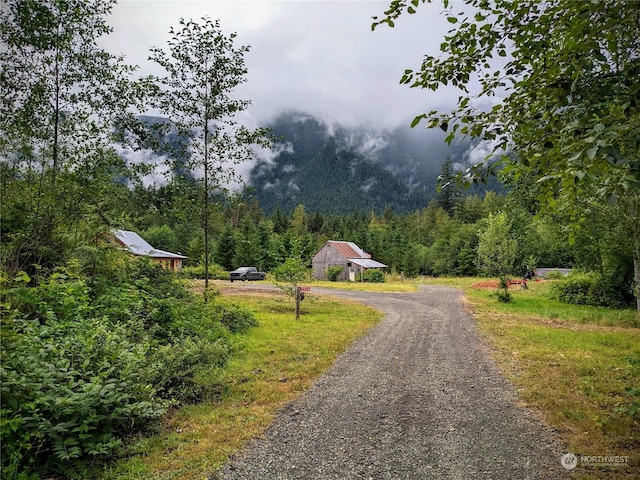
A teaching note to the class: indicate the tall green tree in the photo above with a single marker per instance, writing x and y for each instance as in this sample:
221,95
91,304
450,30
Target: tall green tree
497,249
563,102
203,67
448,189
61,94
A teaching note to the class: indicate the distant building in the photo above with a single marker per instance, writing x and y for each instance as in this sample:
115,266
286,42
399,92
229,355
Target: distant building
544,272
136,245
348,255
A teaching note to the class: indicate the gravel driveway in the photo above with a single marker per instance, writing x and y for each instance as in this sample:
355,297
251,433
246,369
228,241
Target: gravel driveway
416,398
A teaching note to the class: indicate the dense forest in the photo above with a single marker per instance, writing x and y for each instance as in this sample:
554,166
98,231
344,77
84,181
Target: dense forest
97,344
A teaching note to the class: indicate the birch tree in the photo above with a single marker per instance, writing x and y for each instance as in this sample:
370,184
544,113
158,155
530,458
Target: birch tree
60,95
203,67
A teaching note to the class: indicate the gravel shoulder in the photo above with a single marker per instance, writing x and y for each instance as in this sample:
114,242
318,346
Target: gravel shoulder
416,398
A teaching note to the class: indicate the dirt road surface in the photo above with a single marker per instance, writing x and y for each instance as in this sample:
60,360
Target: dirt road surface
417,398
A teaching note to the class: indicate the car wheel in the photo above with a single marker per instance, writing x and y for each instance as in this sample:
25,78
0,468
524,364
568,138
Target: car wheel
244,278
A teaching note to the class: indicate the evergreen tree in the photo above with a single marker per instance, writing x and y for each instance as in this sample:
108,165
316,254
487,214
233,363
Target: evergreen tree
449,192
225,251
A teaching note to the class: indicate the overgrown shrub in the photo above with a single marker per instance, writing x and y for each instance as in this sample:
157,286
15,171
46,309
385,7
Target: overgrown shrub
374,276
586,288
174,368
70,391
82,367
334,272
235,318
216,272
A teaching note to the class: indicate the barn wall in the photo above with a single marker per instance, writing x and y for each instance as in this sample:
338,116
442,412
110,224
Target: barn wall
327,257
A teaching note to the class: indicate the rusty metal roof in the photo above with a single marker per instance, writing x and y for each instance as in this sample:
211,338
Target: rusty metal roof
348,249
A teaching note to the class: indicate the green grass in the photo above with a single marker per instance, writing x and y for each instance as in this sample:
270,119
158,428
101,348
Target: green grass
387,287
273,364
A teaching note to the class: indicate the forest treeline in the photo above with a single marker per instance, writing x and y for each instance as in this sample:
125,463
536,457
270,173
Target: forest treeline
454,235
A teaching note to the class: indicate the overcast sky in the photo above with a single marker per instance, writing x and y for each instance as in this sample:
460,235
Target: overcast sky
319,57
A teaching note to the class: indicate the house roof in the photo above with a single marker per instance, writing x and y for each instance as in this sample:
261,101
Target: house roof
348,249
139,246
367,263
354,254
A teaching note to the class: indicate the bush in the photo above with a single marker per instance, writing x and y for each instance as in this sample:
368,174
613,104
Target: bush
70,391
586,288
81,368
334,272
374,276
174,368
235,318
216,272
502,292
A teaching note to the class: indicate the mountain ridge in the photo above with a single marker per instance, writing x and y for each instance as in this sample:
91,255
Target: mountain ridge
336,170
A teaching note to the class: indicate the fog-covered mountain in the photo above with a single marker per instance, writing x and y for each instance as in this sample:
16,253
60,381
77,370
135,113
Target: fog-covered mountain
332,169
326,167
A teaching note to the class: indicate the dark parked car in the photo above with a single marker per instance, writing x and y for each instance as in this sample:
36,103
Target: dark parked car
247,273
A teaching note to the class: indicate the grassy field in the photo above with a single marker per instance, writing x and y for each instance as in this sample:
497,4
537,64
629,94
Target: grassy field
572,365
273,364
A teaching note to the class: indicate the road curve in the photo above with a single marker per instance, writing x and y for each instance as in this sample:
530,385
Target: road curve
416,398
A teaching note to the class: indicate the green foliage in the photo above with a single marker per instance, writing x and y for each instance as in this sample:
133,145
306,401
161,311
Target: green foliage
176,369
235,318
586,288
570,121
203,67
497,248
197,271
502,293
83,367
161,237
61,95
373,275
334,272
71,388
288,276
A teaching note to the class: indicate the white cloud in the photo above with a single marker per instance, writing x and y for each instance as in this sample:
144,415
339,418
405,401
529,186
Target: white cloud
319,57
146,157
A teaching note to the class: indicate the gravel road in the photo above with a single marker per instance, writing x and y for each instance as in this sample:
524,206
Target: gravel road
416,398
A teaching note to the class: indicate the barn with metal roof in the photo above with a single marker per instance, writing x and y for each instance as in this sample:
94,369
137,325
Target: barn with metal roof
348,255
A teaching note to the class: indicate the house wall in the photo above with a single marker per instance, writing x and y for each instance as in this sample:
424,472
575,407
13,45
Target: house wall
173,264
325,258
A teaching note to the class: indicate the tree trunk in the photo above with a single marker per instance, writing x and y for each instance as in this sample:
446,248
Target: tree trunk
297,303
205,199
636,271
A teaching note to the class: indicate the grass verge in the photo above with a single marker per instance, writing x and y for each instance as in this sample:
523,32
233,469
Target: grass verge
572,365
273,364
387,287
